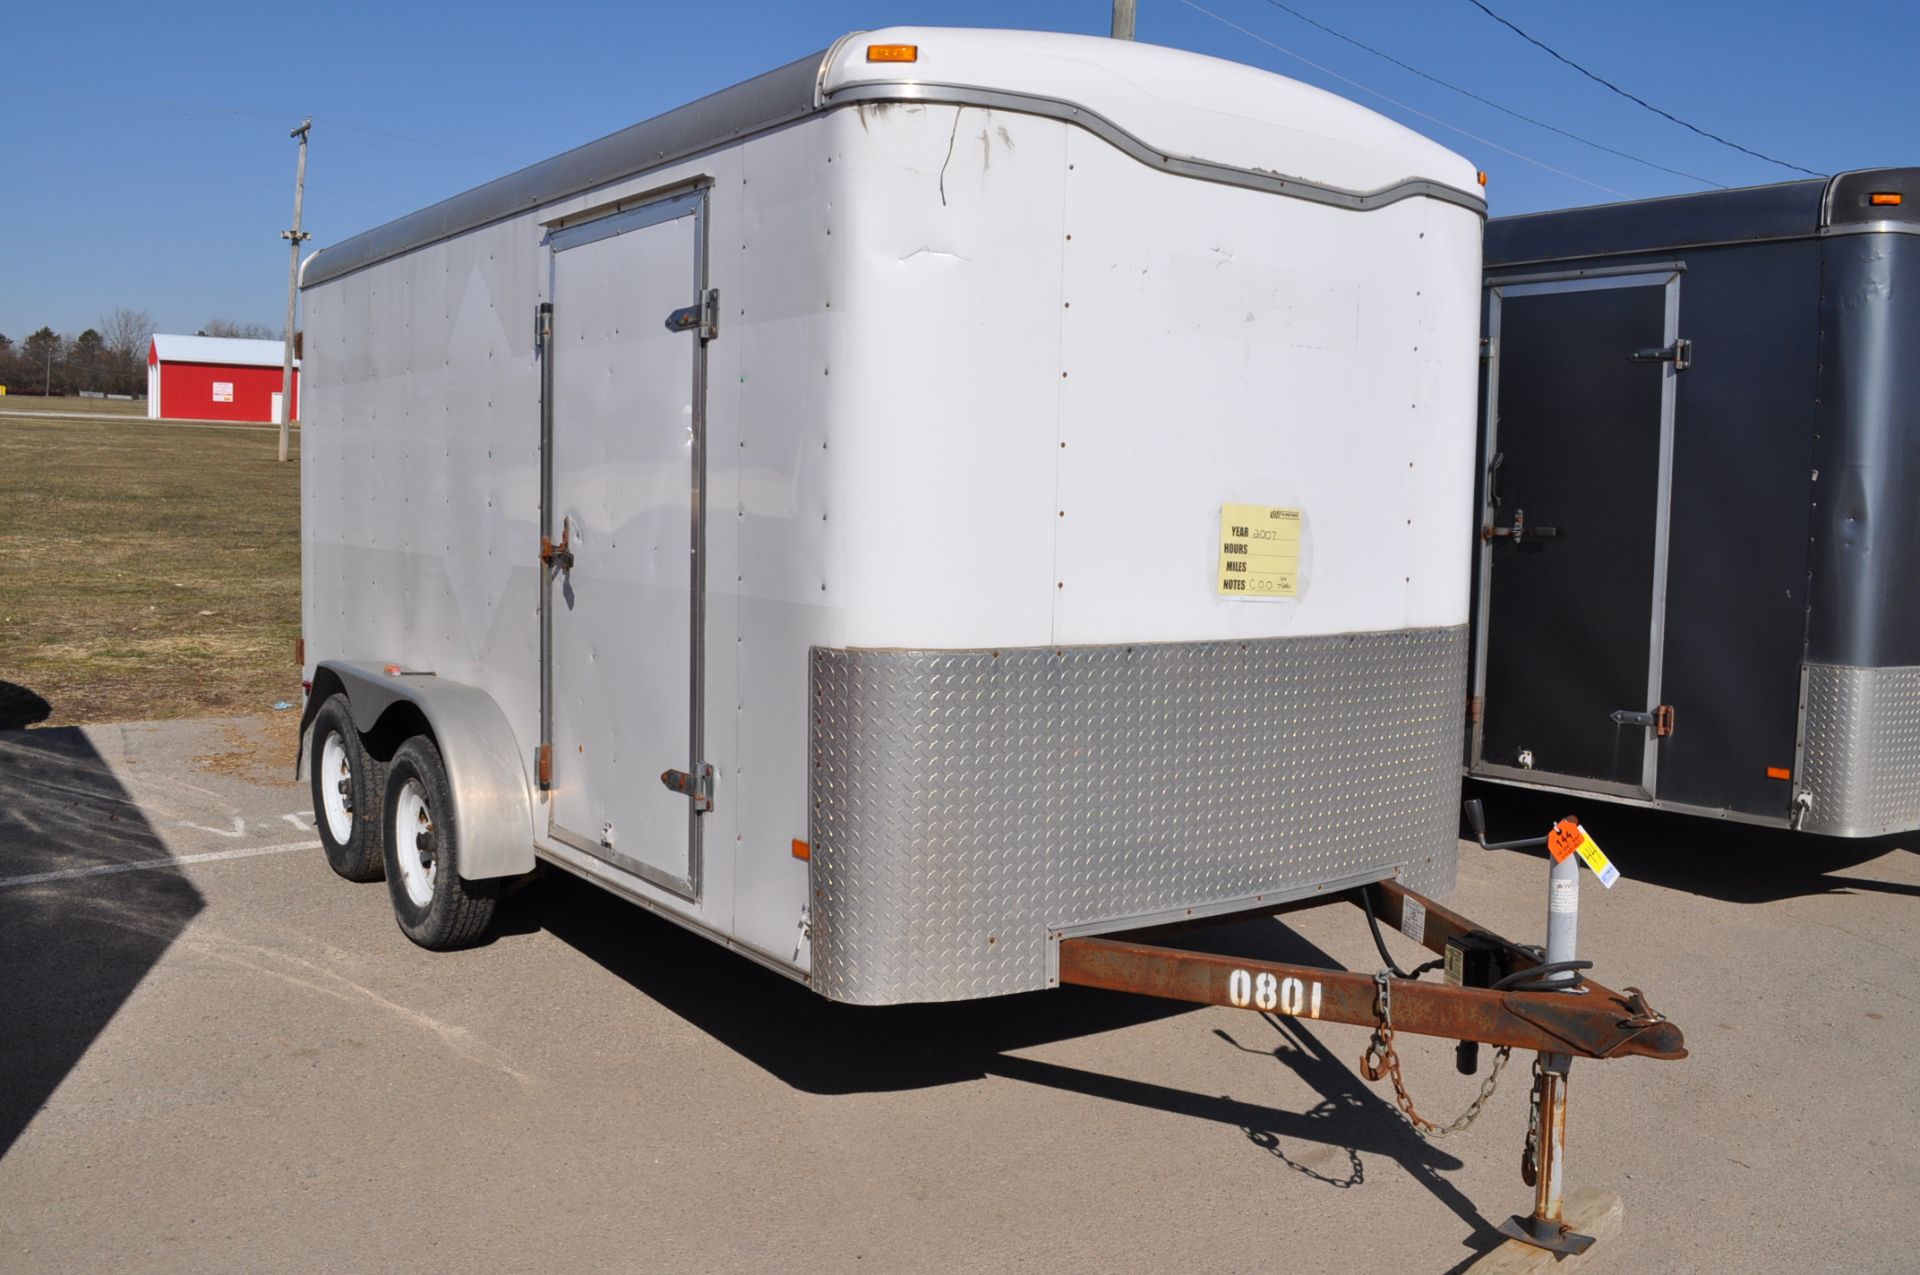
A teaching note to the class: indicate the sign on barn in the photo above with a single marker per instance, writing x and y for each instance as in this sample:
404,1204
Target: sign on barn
212,378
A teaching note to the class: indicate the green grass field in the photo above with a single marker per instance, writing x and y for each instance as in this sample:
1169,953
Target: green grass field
145,570
34,405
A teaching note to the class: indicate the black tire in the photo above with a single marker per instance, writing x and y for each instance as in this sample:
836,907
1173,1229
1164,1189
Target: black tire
363,789
434,906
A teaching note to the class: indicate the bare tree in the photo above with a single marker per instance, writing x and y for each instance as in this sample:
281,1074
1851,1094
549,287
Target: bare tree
126,334
227,327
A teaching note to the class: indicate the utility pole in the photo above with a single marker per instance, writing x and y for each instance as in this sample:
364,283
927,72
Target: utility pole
293,238
1123,19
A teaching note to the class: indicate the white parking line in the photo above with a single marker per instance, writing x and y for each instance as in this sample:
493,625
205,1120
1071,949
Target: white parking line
105,869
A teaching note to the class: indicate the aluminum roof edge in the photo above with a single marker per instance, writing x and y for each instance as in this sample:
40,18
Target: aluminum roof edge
1782,211
1138,148
768,101
763,102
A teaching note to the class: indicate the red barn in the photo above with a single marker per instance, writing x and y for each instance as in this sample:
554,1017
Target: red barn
216,378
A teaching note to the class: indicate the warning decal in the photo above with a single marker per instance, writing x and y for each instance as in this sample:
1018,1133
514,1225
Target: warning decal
1259,552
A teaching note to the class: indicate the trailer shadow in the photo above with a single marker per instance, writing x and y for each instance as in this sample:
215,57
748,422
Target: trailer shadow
1714,858
21,707
72,948
826,1048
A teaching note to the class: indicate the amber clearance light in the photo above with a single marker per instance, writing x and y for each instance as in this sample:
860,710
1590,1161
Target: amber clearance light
1884,199
893,53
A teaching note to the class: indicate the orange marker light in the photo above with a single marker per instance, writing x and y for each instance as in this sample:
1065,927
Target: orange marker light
801,850
1884,199
893,53
1482,177
1779,772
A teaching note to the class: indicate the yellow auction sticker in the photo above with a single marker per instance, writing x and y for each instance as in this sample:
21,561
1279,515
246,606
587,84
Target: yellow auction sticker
1568,837
1259,552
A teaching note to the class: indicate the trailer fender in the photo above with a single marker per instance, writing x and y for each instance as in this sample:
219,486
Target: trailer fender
492,799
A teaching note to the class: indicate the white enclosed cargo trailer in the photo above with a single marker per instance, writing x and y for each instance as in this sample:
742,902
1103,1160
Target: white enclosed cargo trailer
1013,485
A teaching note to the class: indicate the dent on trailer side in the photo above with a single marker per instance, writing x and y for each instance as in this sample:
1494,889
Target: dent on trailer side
1860,762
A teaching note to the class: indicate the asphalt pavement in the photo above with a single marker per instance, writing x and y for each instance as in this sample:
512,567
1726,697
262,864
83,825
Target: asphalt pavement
215,1055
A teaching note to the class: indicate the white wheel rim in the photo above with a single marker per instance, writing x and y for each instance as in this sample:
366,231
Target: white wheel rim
413,842
336,788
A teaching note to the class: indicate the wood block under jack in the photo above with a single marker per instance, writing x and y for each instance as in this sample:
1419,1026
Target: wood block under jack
1590,1211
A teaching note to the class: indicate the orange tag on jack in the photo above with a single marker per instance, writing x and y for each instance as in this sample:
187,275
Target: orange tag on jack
1565,838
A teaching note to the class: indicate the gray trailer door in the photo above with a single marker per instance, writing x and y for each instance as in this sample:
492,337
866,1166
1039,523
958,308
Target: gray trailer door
1573,561
626,422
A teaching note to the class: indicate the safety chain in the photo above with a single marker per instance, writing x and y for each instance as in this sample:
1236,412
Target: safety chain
1530,1154
1381,1059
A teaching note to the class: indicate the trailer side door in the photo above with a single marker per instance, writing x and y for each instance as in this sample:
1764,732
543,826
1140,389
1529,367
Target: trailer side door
1572,599
624,419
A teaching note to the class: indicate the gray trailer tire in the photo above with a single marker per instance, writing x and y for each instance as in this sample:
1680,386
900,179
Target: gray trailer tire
349,794
434,905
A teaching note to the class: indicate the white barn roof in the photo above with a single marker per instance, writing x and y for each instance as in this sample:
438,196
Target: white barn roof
228,350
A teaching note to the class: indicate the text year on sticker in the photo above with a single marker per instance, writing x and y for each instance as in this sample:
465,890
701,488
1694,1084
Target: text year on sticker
1259,552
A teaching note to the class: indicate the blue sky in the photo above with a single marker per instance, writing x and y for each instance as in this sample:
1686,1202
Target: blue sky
144,158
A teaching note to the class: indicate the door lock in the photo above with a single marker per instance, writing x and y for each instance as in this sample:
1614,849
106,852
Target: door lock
1519,531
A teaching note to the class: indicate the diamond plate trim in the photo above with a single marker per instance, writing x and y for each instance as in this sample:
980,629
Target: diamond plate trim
1861,758
965,803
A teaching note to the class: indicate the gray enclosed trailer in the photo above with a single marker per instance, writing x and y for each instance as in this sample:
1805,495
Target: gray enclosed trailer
1699,532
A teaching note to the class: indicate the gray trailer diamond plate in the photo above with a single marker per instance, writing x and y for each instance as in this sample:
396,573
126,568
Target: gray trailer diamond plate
1862,754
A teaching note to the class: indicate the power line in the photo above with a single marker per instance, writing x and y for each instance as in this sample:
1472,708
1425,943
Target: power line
192,108
1394,101
1602,80
1485,101
422,141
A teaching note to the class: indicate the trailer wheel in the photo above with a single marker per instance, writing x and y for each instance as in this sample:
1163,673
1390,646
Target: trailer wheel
349,789
434,906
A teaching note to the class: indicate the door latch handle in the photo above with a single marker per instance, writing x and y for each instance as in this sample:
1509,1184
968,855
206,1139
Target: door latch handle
1519,531
698,786
702,316
558,554
1680,354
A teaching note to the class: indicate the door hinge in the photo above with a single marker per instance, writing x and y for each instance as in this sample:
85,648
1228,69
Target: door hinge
704,315
1659,721
542,325
1475,704
1680,354
698,785
1489,347
543,764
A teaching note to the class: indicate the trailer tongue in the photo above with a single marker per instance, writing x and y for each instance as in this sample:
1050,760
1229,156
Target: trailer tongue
1497,993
